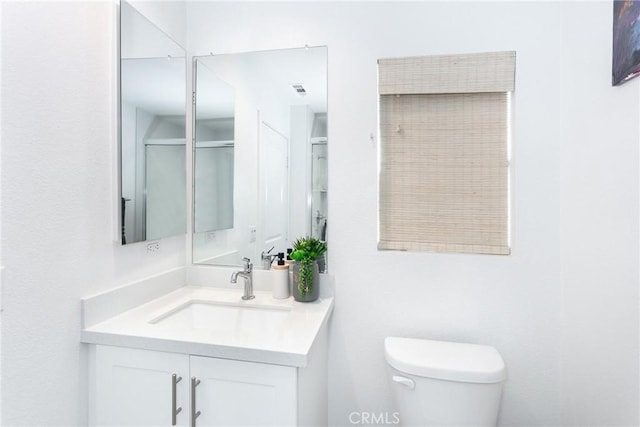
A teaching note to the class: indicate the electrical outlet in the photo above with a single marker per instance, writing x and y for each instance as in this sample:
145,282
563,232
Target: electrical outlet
252,234
153,247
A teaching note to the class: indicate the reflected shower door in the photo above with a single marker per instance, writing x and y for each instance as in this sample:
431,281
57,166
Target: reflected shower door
165,191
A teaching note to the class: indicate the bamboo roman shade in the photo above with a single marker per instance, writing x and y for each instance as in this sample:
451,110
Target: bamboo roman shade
444,168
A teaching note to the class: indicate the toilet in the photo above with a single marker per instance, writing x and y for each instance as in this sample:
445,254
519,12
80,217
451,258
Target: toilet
439,383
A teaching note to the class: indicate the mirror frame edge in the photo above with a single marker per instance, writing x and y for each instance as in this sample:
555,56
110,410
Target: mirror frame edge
118,113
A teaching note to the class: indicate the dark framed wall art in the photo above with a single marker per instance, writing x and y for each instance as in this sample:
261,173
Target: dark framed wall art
626,41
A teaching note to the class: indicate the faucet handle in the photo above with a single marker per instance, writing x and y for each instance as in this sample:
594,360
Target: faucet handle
265,255
247,265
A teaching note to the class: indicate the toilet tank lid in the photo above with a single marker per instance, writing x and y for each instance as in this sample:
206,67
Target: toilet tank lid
444,360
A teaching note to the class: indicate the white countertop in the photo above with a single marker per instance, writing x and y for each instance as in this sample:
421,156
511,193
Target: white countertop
288,344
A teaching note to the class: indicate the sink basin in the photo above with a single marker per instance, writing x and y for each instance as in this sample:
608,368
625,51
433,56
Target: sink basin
223,316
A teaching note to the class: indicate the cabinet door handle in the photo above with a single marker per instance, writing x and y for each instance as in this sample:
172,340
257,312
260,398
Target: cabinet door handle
175,379
194,414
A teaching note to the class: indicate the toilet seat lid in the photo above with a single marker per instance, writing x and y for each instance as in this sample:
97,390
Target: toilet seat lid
471,363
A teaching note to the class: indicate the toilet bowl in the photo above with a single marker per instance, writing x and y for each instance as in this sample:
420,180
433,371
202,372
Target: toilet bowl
439,383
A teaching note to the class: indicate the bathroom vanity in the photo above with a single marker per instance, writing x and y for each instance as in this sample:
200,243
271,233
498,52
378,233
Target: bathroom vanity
164,354
202,356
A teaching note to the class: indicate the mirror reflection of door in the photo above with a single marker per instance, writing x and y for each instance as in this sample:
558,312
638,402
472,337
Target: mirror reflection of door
274,187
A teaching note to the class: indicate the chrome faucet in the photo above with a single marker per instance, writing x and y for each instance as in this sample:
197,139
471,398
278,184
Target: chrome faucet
247,275
267,259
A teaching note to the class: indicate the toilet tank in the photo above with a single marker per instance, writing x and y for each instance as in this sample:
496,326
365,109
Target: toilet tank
439,383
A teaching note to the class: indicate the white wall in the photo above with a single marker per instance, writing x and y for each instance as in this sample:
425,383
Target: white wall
598,226
571,283
59,226
1,260
562,309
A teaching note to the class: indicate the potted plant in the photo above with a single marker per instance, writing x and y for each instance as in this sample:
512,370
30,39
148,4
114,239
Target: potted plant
306,251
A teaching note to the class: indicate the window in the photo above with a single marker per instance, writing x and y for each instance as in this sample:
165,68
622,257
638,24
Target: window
444,167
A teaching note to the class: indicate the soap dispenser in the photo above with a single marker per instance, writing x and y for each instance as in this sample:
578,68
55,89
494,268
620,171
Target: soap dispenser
280,281
289,261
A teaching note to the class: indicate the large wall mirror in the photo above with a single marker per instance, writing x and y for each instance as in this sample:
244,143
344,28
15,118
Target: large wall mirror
152,130
260,153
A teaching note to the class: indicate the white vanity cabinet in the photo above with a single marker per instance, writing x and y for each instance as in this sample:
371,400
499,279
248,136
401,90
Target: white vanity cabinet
234,393
136,387
158,363
133,387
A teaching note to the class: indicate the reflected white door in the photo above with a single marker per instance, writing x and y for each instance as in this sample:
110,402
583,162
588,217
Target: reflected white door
319,185
274,188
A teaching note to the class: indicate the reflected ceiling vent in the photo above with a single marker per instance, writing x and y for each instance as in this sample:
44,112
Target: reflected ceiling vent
299,89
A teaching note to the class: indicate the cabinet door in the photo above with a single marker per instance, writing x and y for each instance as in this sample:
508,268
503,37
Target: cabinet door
235,393
134,387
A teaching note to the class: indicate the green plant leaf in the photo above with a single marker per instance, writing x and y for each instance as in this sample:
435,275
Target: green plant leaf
308,248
